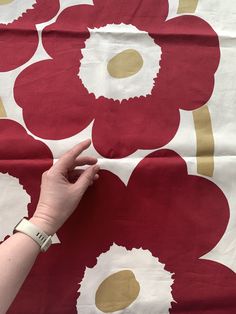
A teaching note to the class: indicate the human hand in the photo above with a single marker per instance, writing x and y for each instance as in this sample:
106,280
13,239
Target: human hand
62,188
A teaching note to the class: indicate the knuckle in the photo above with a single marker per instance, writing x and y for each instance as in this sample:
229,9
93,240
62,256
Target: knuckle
49,174
87,177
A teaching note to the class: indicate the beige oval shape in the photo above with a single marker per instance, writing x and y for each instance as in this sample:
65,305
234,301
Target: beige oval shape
125,64
5,1
117,292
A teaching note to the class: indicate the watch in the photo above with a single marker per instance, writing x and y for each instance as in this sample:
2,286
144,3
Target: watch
40,237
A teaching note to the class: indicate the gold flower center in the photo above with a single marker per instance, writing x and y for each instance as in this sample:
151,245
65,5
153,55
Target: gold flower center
125,64
2,2
117,292
187,6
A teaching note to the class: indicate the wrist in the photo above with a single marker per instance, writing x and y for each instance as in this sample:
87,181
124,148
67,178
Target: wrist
43,224
35,232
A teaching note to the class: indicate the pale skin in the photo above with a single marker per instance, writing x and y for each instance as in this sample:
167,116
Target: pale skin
61,191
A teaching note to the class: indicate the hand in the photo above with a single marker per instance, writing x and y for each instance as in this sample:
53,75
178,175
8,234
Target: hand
62,188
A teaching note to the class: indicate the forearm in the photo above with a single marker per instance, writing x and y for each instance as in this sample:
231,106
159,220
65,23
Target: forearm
62,188
17,256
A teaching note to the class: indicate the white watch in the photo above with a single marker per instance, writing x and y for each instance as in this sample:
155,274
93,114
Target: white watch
40,237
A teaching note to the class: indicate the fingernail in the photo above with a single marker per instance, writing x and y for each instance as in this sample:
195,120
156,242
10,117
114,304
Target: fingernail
96,177
85,142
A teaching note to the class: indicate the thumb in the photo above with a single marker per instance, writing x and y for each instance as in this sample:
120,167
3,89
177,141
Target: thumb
84,181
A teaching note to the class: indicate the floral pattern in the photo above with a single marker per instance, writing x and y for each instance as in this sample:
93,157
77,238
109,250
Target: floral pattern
57,106
177,217
15,50
174,217
24,158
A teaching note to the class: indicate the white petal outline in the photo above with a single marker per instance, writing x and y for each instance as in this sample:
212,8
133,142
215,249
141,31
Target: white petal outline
155,282
12,11
106,42
13,204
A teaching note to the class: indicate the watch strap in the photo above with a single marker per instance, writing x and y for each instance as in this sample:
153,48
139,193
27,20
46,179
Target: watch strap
40,237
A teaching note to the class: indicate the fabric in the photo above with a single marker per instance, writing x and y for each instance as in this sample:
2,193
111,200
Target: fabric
151,82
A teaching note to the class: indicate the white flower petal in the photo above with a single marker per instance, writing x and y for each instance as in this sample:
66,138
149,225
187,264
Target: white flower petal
11,11
155,282
13,204
103,45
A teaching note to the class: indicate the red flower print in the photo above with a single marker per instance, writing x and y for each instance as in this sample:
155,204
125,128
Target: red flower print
24,158
123,65
175,216
18,34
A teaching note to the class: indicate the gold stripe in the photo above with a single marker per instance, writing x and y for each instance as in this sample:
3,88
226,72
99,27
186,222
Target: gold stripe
205,141
187,6
3,113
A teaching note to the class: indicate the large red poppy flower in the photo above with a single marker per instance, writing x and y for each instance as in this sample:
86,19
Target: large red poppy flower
24,158
176,216
57,103
18,34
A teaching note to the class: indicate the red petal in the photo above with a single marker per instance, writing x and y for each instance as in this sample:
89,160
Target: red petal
179,217
146,15
139,123
54,102
19,40
23,157
190,57
204,287
66,37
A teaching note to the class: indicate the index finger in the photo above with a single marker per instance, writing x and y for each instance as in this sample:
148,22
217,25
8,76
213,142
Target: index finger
67,160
